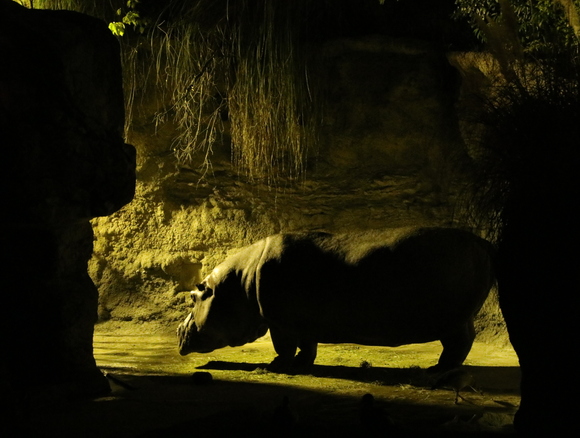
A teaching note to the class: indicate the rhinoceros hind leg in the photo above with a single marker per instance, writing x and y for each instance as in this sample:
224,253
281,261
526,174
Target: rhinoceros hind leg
285,346
305,358
456,347
280,364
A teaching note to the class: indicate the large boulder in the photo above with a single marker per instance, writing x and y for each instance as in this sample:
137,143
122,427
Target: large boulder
65,162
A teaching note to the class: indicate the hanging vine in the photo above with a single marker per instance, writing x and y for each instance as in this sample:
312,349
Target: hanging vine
230,72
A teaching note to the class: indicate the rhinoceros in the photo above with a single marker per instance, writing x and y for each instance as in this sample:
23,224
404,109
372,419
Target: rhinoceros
385,288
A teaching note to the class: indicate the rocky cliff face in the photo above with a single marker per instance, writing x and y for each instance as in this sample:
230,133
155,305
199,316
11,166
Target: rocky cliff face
390,154
61,120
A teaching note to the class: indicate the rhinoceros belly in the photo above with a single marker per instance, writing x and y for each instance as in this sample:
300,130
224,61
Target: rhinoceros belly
414,291
387,322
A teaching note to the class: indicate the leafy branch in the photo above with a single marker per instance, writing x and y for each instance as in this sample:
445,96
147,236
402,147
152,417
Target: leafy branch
131,17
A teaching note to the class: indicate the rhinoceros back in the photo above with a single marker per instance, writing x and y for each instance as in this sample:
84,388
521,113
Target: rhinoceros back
378,288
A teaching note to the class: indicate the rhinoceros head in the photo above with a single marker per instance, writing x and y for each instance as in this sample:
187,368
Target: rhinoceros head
223,315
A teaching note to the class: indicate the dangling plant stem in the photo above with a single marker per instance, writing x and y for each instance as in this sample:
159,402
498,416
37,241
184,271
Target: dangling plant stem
228,72
269,100
238,69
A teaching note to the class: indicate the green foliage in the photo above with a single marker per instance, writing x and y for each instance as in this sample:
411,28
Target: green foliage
120,14
117,28
543,25
132,17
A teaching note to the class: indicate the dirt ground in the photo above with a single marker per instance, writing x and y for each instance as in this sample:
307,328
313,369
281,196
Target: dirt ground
157,393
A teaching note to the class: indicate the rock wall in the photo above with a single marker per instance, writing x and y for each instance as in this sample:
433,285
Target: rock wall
536,150
61,120
390,154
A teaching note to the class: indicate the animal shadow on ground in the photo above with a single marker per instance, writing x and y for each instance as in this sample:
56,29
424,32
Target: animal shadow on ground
495,379
278,410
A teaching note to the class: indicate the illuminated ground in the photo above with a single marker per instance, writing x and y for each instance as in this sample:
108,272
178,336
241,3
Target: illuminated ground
155,395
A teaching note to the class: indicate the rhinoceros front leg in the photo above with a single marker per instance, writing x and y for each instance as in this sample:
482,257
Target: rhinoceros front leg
305,358
287,361
285,346
456,347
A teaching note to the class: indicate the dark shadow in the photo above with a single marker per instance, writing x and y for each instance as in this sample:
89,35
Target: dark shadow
231,366
255,409
176,406
491,379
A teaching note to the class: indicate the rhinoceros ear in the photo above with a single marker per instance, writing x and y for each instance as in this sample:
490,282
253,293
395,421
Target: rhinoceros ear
198,296
206,293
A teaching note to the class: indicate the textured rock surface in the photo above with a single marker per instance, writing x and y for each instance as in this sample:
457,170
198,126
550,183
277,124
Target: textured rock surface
61,120
390,155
